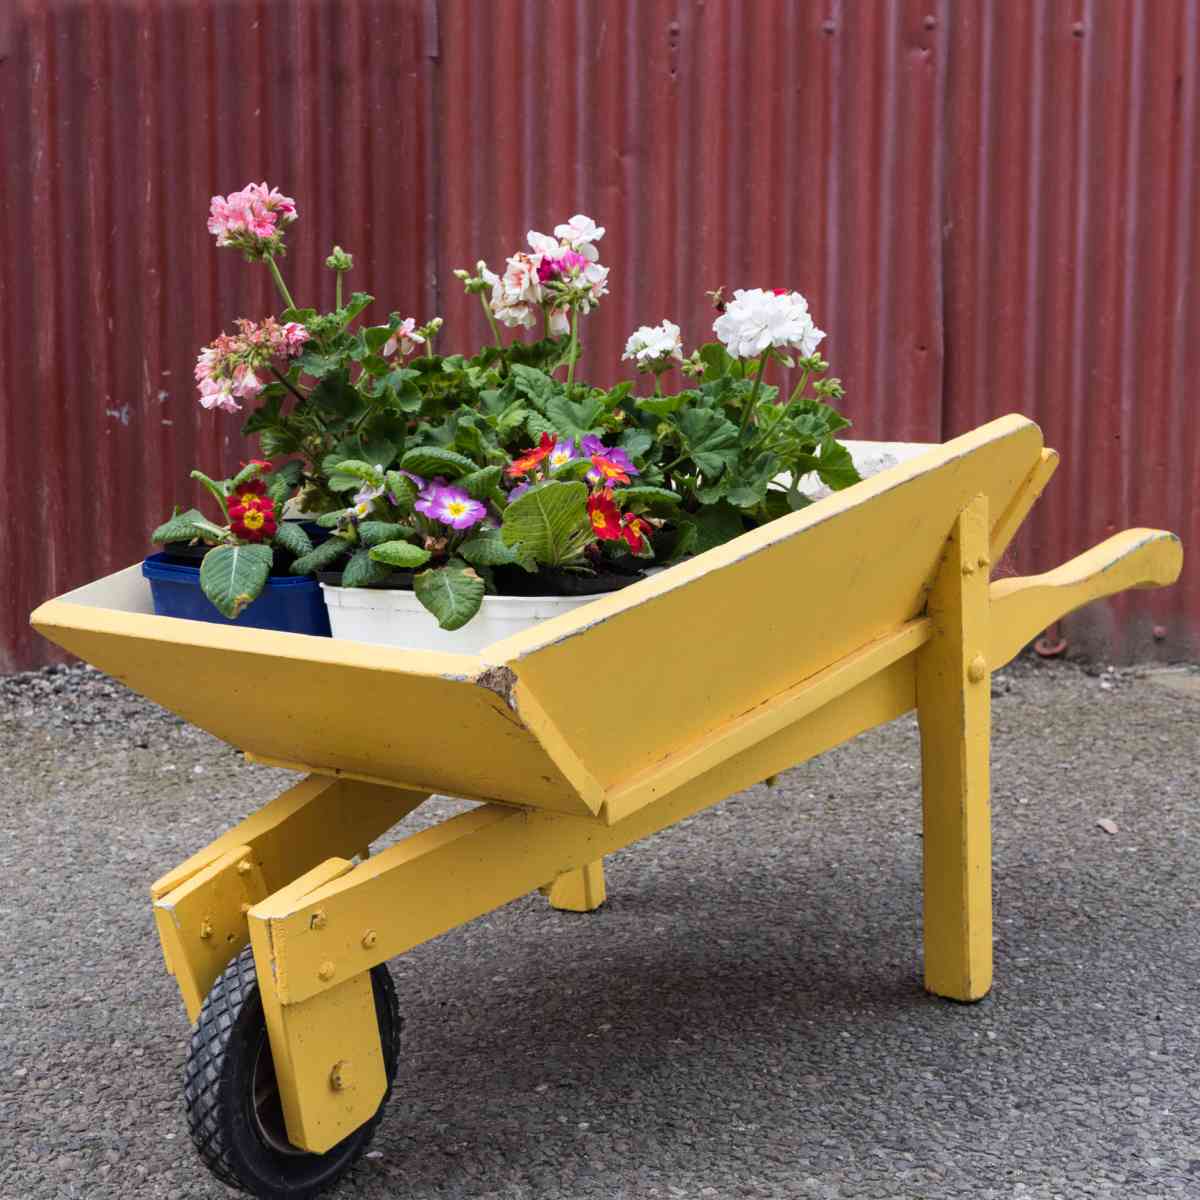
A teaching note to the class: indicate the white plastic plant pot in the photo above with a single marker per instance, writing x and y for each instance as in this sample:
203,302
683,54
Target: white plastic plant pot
395,617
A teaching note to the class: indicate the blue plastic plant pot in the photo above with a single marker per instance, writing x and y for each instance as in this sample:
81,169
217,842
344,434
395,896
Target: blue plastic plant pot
293,605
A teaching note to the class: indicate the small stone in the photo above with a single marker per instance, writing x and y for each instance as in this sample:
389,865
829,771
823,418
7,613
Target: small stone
1109,826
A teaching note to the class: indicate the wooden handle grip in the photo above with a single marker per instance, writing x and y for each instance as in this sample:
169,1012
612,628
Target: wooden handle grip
1022,608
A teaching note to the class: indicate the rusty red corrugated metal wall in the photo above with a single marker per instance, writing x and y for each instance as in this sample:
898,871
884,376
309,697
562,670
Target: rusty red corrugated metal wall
990,205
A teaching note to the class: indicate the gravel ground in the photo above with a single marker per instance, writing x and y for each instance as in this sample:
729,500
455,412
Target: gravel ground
744,1018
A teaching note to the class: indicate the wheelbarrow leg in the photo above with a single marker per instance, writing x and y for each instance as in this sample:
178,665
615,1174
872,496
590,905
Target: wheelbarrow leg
954,711
580,890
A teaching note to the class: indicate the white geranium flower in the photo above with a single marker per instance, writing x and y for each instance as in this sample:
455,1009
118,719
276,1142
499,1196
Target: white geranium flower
655,346
405,339
755,319
516,295
596,277
580,233
544,246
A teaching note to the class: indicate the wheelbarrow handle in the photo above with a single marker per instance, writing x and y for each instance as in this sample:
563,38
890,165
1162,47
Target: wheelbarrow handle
1023,607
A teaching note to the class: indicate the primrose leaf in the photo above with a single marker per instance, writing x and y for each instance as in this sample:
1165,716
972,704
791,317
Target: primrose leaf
234,576
550,522
429,461
361,471
375,533
654,497
364,569
250,471
536,386
483,484
402,490
489,549
320,557
453,594
400,554
185,526
293,539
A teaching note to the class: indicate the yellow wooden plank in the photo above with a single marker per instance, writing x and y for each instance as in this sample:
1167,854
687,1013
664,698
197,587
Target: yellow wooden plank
954,709
314,820
440,878
714,637
419,719
327,1054
1022,608
579,890
1005,529
769,717
202,922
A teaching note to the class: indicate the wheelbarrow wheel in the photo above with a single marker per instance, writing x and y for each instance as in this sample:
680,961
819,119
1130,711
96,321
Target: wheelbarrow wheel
233,1106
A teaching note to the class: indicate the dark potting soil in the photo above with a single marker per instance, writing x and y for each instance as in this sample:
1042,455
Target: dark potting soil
184,554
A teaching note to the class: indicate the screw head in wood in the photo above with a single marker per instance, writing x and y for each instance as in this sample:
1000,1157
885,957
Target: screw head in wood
326,971
977,669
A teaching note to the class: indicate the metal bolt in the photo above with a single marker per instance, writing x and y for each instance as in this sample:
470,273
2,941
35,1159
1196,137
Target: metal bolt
984,561
369,939
977,669
342,1075
325,971
245,867
206,930
968,568
318,920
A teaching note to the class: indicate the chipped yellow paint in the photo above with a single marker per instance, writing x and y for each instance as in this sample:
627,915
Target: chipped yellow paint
738,664
954,706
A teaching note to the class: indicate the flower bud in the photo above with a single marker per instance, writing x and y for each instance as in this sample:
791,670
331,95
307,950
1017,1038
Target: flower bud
339,260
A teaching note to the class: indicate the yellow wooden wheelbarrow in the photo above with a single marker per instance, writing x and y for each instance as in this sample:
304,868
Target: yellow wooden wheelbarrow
746,660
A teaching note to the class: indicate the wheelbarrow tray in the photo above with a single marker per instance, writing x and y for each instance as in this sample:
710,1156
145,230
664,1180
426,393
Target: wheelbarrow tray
576,714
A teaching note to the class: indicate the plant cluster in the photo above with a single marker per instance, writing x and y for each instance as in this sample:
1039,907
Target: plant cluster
458,475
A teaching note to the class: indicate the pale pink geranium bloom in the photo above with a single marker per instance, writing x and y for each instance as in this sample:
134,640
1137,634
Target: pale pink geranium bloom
559,322
218,395
581,233
406,339
294,337
246,385
253,219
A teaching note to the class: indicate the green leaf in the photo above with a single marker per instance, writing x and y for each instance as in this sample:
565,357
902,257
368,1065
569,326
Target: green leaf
277,440
361,471
185,526
716,525
219,489
322,556
428,461
250,471
511,419
376,337
575,419
536,425
318,365
283,481
402,490
301,316
710,439
635,442
375,533
452,593
835,466
330,520
400,554
550,522
377,450
716,360
687,540
343,483
358,301
335,396
293,539
234,576
483,484
489,549
364,569
535,385
661,406
654,497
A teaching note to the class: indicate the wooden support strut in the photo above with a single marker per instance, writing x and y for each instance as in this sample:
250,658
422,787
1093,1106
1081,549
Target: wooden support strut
954,712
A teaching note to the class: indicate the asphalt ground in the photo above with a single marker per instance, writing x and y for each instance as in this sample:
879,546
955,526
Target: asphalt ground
744,1018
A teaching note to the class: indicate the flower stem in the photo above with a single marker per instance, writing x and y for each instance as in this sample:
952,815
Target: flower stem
487,312
337,294
287,296
798,390
657,384
758,378
283,379
574,344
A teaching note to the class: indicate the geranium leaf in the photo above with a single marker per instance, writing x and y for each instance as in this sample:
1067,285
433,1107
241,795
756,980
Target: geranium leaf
716,525
575,419
452,593
835,466
234,576
710,438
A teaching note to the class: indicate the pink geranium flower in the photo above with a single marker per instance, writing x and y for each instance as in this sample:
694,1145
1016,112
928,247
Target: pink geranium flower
252,220
226,370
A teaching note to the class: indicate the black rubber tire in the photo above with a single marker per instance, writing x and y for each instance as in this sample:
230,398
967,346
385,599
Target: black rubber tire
224,1061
